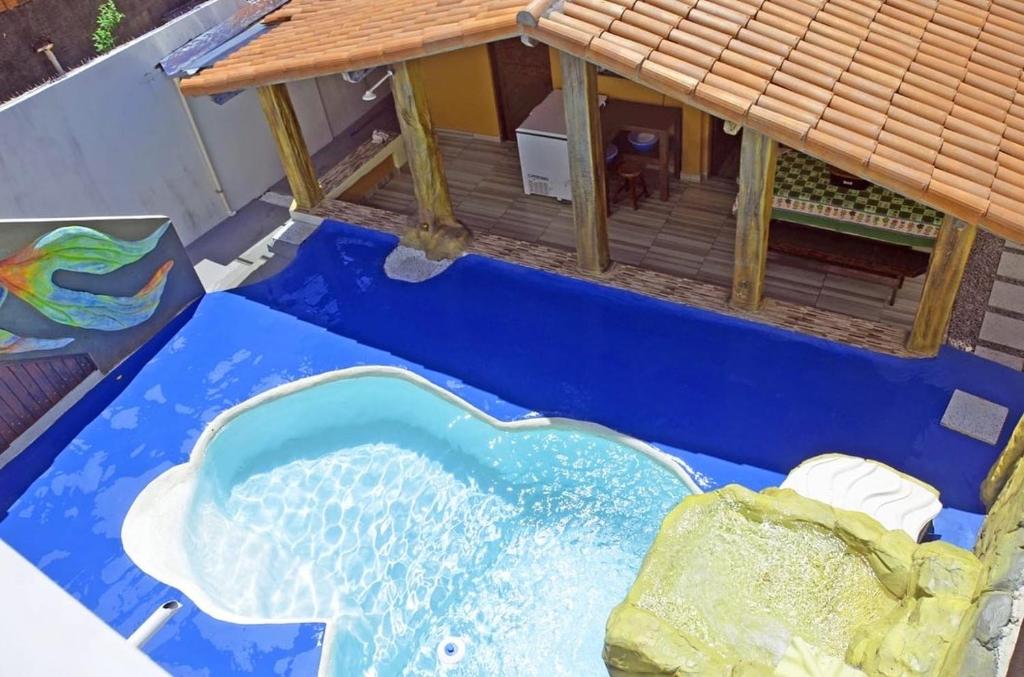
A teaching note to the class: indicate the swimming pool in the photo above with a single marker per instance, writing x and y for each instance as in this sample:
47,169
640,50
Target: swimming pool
401,515
736,401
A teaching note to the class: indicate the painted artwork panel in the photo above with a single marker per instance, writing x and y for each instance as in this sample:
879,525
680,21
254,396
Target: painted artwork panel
98,287
77,296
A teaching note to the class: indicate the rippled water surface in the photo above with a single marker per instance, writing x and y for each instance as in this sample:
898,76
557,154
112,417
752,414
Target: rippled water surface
422,521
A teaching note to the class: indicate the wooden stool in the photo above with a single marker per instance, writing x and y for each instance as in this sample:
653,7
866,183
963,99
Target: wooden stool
633,182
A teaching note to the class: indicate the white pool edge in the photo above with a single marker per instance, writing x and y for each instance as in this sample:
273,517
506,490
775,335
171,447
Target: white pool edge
157,551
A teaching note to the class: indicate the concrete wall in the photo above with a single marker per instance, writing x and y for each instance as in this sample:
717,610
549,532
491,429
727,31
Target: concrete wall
113,138
240,147
88,646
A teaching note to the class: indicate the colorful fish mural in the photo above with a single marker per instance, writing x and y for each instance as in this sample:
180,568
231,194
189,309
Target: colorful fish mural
28,275
12,343
77,297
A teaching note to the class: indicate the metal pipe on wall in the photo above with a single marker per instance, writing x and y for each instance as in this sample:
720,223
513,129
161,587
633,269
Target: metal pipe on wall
214,178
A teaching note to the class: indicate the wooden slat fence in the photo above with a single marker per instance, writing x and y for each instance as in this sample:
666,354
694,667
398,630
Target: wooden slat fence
29,388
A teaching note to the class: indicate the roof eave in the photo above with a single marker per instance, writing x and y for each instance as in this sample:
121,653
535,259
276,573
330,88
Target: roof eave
209,82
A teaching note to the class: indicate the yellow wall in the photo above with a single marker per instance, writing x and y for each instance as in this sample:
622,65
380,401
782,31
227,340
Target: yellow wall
460,90
696,147
461,93
616,87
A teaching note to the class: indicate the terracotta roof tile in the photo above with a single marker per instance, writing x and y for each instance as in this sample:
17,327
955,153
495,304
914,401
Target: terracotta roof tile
598,20
683,59
622,58
722,102
612,9
622,28
660,14
781,126
670,76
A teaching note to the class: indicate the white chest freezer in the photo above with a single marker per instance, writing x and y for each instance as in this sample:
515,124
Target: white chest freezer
543,152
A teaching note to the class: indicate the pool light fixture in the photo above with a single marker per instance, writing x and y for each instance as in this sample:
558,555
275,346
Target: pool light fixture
451,650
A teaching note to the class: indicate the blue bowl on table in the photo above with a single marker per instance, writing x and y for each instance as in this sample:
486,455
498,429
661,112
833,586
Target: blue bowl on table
611,152
643,141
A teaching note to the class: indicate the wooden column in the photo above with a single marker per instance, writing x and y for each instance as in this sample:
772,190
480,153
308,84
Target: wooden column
436,230
586,163
696,144
945,270
284,126
753,212
1003,468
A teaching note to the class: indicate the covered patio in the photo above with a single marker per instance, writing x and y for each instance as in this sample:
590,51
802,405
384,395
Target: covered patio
924,101
691,235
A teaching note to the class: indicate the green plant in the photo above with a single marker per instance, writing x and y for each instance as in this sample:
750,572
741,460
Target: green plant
107,21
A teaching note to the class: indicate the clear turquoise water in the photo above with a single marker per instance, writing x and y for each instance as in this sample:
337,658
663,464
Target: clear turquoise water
378,504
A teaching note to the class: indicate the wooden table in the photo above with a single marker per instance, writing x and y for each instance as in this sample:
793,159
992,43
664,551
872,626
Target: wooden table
804,194
620,118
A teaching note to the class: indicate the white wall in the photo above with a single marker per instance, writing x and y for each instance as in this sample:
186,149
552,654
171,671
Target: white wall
112,138
343,100
49,632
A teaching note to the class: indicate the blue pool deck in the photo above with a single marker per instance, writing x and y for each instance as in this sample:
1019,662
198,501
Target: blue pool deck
737,401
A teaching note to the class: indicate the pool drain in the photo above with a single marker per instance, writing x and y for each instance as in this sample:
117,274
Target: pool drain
451,650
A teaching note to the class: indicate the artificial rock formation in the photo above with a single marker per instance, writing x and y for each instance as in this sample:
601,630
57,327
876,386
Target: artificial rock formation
742,583
986,640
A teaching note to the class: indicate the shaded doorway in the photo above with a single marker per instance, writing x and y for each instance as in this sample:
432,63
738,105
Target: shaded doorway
522,78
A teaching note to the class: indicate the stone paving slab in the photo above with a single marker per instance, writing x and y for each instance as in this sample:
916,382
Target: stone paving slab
975,416
1007,296
1003,330
1005,359
1012,266
1002,333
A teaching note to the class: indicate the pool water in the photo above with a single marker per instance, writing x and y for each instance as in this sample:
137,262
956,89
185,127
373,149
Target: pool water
402,516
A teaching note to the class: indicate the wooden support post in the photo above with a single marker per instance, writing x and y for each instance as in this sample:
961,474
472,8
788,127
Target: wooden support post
945,270
1004,466
696,142
436,230
284,126
586,163
753,213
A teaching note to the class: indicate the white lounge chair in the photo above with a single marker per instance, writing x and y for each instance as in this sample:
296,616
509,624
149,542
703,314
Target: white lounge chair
895,499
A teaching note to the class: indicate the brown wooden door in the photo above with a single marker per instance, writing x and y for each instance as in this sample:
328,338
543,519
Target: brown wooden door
522,78
725,151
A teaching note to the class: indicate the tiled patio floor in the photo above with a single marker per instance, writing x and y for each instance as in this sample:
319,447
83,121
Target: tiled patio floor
691,235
